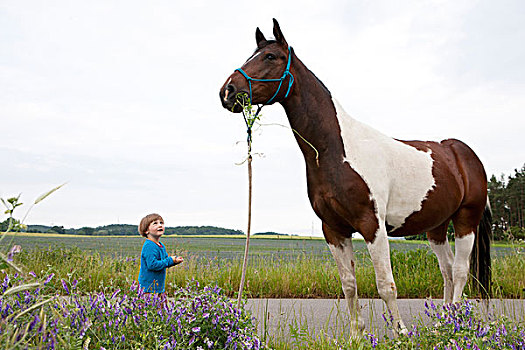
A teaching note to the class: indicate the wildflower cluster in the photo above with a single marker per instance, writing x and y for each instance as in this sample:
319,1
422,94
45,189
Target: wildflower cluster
193,319
456,327
466,330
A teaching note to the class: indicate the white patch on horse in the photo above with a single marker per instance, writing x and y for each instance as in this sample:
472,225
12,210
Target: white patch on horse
345,260
251,58
226,91
399,176
379,251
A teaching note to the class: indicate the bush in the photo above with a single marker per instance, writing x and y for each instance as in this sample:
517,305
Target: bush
516,233
193,319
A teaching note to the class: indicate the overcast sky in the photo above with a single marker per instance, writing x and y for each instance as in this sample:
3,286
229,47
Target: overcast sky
120,100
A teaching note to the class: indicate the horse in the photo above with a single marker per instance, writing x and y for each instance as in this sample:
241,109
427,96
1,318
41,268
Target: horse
360,180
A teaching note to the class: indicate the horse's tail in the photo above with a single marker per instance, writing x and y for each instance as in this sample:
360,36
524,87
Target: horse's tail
480,258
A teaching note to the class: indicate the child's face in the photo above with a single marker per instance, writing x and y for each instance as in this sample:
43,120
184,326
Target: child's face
156,228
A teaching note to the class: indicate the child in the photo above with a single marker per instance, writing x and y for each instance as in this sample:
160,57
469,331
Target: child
154,259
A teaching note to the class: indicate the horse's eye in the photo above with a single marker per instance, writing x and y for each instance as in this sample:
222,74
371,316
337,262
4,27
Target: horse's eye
270,56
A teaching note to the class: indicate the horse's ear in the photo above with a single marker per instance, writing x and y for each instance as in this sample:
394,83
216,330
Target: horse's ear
259,37
278,34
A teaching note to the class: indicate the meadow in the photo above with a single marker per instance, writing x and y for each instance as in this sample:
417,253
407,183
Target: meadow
278,267
92,281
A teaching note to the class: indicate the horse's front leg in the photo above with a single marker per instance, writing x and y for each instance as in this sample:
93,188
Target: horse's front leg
343,253
380,253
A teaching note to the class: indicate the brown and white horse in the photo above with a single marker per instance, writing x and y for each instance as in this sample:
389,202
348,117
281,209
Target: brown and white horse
364,181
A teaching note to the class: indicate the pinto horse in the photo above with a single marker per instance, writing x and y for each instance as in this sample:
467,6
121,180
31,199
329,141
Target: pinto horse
360,180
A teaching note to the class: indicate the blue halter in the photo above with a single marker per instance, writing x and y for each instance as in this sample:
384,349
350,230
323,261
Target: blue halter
280,80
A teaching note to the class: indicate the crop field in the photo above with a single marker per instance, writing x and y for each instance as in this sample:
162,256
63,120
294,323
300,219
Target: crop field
209,247
278,267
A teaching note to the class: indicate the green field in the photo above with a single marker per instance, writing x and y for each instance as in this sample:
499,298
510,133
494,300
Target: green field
283,267
278,268
222,247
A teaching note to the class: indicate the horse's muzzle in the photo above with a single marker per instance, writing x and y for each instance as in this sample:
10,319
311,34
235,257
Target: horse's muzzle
228,96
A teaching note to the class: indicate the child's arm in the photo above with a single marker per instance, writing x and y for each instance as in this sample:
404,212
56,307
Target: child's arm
153,261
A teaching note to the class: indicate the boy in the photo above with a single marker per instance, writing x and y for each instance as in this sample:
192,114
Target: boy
154,259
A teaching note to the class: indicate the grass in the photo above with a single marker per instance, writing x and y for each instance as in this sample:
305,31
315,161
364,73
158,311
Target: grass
416,273
278,268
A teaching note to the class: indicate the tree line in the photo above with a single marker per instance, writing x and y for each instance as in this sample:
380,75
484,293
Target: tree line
124,230
507,200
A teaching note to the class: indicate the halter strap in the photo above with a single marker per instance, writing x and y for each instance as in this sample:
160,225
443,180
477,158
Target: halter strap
286,73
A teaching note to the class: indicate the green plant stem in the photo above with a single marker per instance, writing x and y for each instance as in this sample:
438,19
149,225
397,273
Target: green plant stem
247,247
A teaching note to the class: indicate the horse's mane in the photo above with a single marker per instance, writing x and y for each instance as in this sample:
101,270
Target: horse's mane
319,80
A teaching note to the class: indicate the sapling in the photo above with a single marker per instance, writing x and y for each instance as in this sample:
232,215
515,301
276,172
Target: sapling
250,117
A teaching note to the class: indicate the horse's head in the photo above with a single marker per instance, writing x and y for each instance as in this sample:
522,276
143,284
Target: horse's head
265,76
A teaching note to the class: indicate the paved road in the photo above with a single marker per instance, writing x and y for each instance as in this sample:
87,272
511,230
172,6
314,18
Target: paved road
276,316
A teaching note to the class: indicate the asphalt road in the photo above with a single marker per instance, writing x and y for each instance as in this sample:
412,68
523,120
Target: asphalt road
277,317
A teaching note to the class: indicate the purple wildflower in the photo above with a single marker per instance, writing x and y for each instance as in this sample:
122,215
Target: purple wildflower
373,340
192,340
49,278
14,250
64,285
115,293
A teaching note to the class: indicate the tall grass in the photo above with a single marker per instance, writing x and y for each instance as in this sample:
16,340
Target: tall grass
416,274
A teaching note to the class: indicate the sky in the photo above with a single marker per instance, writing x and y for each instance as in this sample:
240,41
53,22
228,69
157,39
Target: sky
119,99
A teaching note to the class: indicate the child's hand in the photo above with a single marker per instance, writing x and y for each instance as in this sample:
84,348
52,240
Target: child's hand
177,259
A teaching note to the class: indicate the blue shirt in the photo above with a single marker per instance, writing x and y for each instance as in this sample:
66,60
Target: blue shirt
154,261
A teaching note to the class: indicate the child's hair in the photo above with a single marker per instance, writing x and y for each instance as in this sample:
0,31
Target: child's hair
144,223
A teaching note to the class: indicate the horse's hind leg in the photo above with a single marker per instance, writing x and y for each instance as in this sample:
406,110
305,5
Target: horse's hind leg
439,243
465,227
379,250
343,253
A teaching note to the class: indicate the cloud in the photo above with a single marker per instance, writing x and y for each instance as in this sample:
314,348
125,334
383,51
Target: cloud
121,99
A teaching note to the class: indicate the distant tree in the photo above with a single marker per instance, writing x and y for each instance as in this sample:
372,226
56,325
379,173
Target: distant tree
4,225
497,197
507,200
58,229
38,228
516,198
86,231
419,237
13,225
